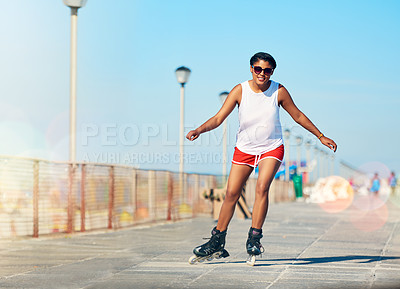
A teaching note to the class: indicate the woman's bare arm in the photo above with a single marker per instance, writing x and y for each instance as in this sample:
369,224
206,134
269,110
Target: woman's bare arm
232,99
286,101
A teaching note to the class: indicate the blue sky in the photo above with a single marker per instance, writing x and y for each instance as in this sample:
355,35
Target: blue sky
338,59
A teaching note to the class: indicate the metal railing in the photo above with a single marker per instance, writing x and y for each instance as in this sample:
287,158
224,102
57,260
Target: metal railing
43,197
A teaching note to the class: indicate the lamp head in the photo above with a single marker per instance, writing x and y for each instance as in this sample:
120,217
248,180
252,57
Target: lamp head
286,133
299,139
182,74
223,95
75,3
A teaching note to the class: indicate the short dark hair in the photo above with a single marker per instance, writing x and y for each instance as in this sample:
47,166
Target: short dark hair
263,56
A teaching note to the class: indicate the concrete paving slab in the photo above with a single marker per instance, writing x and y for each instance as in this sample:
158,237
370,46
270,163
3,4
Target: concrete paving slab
320,284
306,247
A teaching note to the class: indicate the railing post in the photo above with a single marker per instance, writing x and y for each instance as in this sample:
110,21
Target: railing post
214,182
35,199
134,193
210,182
170,195
196,194
151,180
110,197
70,216
193,196
83,200
185,190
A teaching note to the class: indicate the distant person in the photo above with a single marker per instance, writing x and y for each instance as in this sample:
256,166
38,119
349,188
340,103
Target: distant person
392,182
351,181
259,143
376,184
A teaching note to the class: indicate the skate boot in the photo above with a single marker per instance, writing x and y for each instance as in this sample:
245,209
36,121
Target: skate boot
253,245
214,248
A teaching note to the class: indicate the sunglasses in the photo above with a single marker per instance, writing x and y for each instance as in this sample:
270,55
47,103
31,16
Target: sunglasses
258,69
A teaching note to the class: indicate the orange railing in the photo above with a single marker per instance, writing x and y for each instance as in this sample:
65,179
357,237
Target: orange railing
42,197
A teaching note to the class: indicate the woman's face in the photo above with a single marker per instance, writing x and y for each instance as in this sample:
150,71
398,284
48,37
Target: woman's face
261,77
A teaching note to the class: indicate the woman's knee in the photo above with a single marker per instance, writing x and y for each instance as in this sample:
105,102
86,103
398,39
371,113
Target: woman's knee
231,196
262,190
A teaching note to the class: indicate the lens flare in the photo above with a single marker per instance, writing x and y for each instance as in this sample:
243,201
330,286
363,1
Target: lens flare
365,198
370,220
395,197
375,167
57,129
334,194
369,202
21,139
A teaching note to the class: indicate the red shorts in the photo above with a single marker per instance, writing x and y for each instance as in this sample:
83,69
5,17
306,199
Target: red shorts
242,158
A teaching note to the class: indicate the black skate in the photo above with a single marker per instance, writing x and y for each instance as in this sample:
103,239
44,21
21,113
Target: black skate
214,248
253,245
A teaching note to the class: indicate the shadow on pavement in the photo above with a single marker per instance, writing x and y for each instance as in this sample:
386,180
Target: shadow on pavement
317,260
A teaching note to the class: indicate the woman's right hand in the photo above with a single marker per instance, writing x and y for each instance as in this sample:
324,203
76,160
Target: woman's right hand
192,135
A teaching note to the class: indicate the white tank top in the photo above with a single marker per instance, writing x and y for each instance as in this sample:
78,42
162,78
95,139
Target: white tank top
260,129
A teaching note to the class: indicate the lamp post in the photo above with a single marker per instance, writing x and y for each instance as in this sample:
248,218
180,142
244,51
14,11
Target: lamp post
182,75
286,134
74,5
308,159
327,164
223,95
318,159
321,163
299,140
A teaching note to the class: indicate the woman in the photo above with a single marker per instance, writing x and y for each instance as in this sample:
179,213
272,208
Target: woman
259,143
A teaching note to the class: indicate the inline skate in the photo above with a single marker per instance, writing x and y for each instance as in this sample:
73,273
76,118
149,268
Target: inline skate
214,248
253,245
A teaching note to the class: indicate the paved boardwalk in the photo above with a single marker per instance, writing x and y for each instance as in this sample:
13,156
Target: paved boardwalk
306,247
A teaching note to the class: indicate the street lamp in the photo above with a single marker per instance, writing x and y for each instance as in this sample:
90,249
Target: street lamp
182,75
286,134
223,95
74,5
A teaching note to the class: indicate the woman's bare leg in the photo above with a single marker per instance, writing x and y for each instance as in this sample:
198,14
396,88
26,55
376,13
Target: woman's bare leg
267,169
237,178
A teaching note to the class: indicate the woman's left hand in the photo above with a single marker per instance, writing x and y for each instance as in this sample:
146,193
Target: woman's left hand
329,143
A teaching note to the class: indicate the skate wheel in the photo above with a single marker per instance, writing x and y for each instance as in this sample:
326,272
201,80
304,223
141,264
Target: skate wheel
201,260
251,260
192,260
